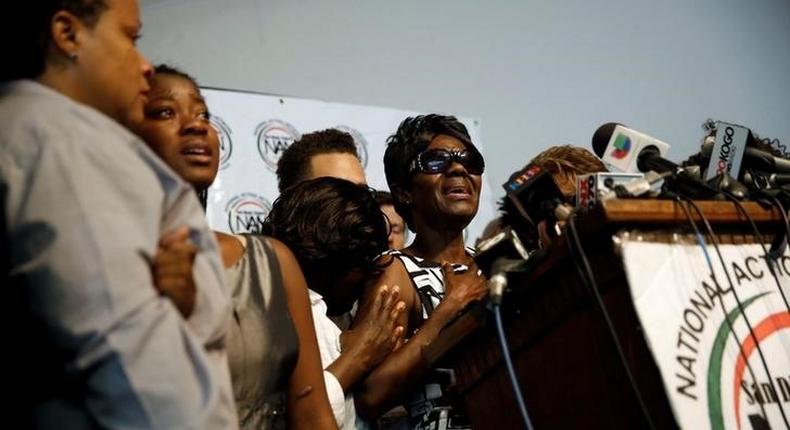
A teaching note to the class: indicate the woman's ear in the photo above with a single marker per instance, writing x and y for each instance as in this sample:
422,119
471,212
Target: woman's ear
66,32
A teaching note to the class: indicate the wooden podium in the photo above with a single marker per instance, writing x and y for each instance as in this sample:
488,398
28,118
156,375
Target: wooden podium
565,357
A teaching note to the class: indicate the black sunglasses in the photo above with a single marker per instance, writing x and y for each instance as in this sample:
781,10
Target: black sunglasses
439,160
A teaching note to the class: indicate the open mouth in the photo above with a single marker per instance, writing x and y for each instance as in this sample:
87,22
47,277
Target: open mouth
457,191
197,152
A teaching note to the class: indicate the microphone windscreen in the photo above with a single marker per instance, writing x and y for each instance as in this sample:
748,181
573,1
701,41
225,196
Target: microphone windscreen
601,138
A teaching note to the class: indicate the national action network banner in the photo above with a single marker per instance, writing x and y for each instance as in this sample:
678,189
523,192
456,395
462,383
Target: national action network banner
256,128
722,345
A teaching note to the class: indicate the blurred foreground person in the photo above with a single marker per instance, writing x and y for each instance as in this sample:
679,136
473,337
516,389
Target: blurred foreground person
86,205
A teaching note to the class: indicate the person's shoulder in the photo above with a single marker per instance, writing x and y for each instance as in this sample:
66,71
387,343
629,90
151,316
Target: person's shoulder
390,261
289,265
392,271
36,117
27,104
276,245
231,248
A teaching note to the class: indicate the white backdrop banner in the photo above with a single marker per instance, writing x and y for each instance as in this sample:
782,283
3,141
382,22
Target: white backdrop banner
723,348
256,128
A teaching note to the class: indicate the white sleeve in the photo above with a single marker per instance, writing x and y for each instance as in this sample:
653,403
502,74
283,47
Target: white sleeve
337,400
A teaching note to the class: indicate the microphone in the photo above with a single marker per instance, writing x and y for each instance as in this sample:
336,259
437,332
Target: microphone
535,195
497,256
727,151
754,158
594,187
766,181
626,150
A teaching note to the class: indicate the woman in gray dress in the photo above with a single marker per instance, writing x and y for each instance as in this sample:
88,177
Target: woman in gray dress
272,350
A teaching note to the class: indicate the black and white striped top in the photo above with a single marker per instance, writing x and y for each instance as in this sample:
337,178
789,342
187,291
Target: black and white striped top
427,278
426,405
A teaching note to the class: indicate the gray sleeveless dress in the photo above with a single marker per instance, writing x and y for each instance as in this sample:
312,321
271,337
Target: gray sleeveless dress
262,342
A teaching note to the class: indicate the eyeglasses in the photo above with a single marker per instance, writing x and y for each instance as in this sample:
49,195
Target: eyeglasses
439,161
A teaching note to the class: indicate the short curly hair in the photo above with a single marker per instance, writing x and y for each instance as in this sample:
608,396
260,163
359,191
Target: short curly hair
568,161
32,35
294,164
332,225
412,137
560,161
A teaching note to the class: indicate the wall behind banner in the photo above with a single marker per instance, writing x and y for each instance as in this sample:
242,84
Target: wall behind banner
536,73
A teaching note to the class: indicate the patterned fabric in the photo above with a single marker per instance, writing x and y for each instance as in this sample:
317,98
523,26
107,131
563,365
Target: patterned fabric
427,407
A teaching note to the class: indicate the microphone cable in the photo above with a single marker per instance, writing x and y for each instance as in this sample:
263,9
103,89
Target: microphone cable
715,241
586,273
702,244
762,245
775,201
511,372
780,246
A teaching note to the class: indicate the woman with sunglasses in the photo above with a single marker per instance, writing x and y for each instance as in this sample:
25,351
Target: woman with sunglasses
434,173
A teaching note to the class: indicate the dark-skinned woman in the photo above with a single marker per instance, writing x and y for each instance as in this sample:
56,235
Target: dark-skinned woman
434,173
274,361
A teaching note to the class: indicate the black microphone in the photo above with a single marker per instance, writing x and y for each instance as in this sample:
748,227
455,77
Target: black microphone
754,158
535,195
497,256
766,180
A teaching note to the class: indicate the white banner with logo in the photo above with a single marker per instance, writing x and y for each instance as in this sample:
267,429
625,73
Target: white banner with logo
722,346
256,128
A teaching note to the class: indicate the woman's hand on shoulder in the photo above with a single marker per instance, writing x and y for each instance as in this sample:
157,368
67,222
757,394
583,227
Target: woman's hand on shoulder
376,332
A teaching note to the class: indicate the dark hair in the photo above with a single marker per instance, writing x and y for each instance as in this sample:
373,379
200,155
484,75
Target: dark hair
165,69
32,36
332,226
384,198
412,137
295,161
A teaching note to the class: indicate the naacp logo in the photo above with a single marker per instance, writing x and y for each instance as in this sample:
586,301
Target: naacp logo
225,143
274,136
246,213
360,141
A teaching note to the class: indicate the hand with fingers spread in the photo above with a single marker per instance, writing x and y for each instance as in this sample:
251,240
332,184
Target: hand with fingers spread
461,289
376,332
373,337
172,270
